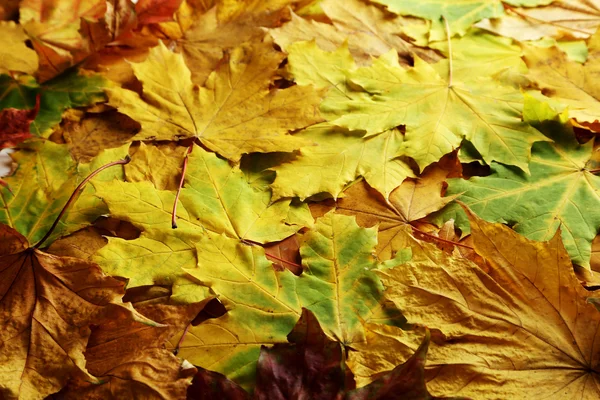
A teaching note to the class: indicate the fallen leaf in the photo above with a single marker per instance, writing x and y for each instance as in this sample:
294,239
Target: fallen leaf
339,158
45,178
216,198
312,367
568,82
126,352
461,14
479,110
96,132
528,314
14,125
568,19
368,30
285,254
53,27
15,55
235,99
560,191
47,306
337,255
81,244
264,304
210,385
72,89
413,200
159,164
155,11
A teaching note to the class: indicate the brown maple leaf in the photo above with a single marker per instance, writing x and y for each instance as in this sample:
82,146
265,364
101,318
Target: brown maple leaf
47,304
126,351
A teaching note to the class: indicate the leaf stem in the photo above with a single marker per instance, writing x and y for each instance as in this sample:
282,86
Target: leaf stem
185,163
449,36
439,238
75,193
593,171
176,349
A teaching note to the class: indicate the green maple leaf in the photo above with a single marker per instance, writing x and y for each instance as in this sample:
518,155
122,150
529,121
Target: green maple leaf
560,192
437,116
338,159
216,198
338,285
70,89
339,156
45,178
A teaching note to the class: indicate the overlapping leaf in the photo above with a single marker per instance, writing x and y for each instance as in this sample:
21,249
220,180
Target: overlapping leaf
46,306
234,113
70,90
216,198
561,191
567,81
338,286
437,115
368,30
44,180
522,329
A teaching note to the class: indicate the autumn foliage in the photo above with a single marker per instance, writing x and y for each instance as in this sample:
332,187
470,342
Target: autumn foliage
299,199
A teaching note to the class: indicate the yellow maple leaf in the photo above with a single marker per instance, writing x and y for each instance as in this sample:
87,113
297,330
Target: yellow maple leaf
568,82
523,329
234,113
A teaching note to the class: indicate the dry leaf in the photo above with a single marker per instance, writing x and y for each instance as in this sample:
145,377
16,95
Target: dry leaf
47,305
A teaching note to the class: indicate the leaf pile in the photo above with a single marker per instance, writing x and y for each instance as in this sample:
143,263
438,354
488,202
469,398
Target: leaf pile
324,199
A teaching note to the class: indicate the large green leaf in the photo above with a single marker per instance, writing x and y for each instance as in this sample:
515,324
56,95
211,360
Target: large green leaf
560,192
339,284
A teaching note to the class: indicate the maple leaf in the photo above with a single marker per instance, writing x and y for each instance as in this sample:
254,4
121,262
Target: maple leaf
15,55
126,352
479,53
225,27
566,81
561,191
368,31
311,366
559,19
88,135
69,90
46,307
53,26
338,159
414,199
479,110
216,198
235,99
528,313
160,165
45,178
336,257
461,14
